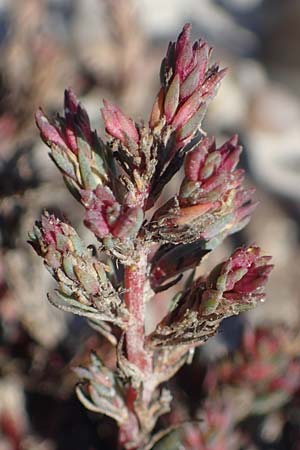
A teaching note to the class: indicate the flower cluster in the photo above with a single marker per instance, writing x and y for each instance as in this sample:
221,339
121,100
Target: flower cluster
139,253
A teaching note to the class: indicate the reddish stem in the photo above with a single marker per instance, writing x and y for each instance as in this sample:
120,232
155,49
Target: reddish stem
134,281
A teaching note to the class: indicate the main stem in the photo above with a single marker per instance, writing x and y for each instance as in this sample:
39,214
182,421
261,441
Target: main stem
134,283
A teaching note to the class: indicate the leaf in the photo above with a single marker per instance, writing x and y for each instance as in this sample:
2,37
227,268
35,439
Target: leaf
175,260
62,162
174,166
172,99
88,180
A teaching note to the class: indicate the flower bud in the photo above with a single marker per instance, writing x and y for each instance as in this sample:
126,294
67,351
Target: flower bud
117,124
210,169
243,276
105,216
50,134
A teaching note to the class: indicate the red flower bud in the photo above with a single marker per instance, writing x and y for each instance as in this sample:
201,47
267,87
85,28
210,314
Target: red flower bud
75,149
52,238
206,160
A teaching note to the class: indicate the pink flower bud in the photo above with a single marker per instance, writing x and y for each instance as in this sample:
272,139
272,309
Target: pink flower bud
117,124
51,238
66,131
49,133
105,216
184,53
210,174
77,120
245,273
51,227
102,210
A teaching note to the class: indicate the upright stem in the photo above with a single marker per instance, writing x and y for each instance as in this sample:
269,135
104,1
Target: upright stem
134,282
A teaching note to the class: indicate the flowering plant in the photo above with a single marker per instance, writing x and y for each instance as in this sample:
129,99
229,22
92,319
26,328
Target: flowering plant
118,182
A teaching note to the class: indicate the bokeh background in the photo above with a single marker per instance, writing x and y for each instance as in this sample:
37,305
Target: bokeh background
113,49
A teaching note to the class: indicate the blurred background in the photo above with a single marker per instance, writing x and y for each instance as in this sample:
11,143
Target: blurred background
113,49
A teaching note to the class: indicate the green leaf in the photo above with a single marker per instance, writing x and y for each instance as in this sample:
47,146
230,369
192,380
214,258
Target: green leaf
88,179
63,163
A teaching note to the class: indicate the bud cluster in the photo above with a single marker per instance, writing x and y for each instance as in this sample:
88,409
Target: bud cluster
212,202
188,84
83,281
232,287
75,148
